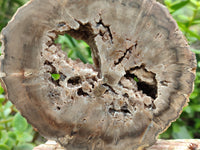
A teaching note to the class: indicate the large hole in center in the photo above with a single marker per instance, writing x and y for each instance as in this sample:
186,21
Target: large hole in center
75,49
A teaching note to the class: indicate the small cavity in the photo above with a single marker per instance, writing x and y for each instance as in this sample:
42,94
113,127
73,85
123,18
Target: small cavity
146,88
111,111
151,106
124,109
61,24
73,133
126,95
62,76
80,92
74,80
150,90
54,94
58,108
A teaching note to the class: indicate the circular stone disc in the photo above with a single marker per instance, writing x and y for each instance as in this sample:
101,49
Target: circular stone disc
142,75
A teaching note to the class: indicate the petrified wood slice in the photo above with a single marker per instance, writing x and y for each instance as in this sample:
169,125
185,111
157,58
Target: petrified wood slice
100,106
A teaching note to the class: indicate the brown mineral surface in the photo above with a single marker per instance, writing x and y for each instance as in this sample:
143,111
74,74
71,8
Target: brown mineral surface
141,79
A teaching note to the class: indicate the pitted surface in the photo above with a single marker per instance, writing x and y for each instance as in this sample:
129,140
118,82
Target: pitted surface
142,75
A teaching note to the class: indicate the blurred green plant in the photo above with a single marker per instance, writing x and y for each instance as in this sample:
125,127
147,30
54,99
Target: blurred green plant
75,48
17,134
7,9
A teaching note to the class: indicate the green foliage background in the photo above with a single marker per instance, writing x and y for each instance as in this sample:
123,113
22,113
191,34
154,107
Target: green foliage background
17,134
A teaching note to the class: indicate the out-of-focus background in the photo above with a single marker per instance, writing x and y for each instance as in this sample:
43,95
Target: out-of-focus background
17,134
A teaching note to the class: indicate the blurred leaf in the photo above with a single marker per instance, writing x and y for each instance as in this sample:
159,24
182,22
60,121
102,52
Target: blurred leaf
175,127
188,109
1,89
197,124
195,22
194,2
136,79
24,147
195,108
18,2
194,95
2,98
7,109
10,142
177,6
8,105
196,51
55,76
70,54
24,137
182,133
3,137
19,123
4,147
12,135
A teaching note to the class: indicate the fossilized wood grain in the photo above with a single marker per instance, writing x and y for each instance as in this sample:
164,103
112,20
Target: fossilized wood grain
98,106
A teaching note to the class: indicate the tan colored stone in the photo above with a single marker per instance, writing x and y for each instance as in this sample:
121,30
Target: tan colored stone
94,106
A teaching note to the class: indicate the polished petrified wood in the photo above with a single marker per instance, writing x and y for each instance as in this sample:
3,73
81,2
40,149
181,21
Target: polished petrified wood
141,79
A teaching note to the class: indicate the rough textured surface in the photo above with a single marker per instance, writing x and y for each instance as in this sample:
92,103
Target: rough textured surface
98,106
183,144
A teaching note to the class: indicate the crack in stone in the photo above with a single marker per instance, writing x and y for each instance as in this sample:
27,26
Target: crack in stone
124,109
107,27
125,54
110,88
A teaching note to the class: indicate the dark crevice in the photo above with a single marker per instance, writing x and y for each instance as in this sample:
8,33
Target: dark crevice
91,80
128,75
62,76
111,111
50,43
74,80
61,24
53,94
150,90
164,82
123,110
53,71
120,59
94,78
109,88
73,133
55,82
151,106
107,27
125,53
58,108
80,92
126,95
136,44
